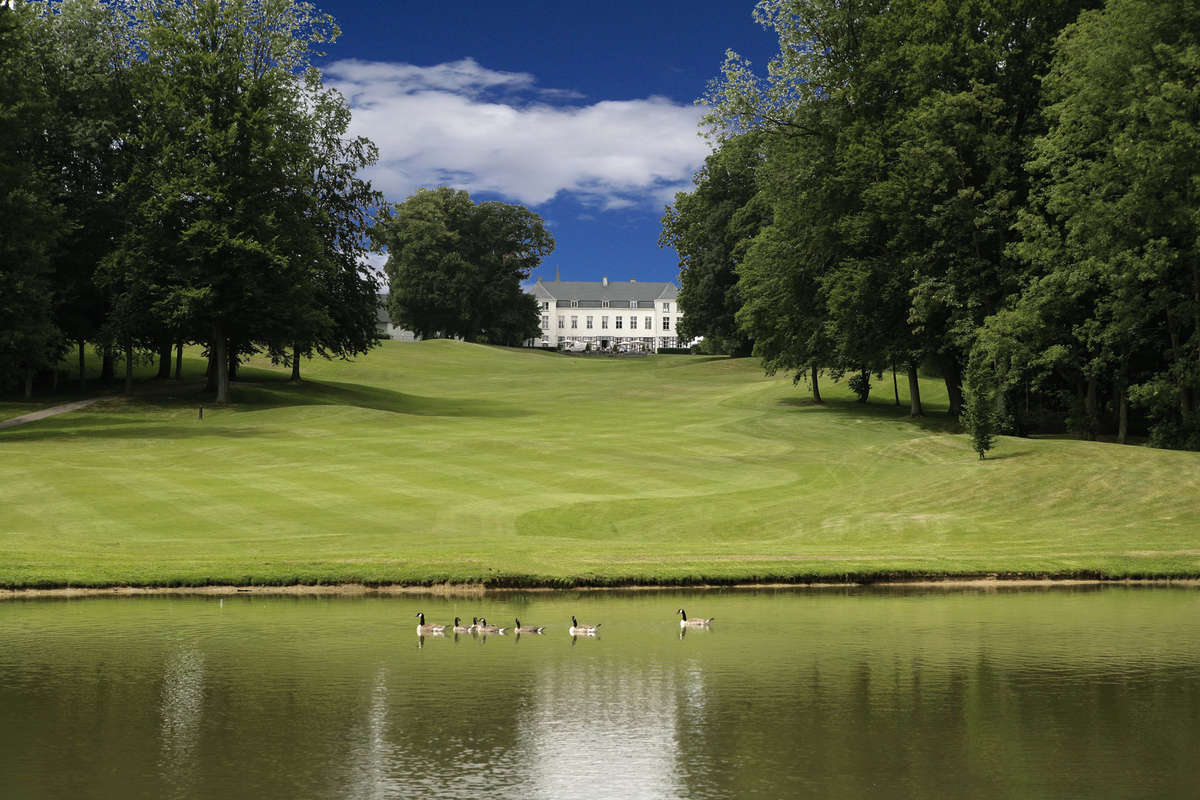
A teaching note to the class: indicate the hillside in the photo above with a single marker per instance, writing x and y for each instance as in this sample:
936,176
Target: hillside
444,461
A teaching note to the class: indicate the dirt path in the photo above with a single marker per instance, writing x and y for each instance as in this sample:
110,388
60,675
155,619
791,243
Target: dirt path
48,412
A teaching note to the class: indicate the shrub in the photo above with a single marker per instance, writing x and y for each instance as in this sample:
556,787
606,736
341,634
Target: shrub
860,384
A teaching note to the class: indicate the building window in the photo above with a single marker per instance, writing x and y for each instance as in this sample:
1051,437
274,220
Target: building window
649,323
666,323
633,323
619,323
560,322
545,322
545,305
574,304
574,322
589,323
633,303
604,323
666,307
604,304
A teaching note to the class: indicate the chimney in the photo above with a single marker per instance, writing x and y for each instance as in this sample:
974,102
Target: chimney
556,278
604,280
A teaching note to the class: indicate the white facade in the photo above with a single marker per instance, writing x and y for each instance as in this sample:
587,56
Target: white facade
608,315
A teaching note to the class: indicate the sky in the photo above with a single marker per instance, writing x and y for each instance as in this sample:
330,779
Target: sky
583,112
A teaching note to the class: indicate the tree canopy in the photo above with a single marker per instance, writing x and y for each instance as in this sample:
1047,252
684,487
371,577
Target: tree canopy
207,188
1003,188
455,267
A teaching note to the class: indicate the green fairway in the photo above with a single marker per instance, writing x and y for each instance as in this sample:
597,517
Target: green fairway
443,461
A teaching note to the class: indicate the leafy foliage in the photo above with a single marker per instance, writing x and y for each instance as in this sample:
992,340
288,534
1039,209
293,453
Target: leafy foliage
711,229
182,173
455,267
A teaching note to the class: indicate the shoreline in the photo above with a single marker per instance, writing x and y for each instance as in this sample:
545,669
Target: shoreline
989,582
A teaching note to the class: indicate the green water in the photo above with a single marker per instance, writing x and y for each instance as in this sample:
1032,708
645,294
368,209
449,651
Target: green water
818,693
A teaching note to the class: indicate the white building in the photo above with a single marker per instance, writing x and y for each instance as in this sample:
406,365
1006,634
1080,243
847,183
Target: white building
384,329
608,315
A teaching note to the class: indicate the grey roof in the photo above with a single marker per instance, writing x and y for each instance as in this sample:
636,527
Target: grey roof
596,291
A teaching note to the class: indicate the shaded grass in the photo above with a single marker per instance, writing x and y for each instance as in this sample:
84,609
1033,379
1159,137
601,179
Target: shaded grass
443,461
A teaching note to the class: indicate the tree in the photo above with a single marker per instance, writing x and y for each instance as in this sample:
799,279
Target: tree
979,416
245,211
31,218
921,112
455,267
87,59
711,228
1112,229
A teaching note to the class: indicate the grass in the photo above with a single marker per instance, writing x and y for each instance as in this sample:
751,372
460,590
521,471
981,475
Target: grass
443,461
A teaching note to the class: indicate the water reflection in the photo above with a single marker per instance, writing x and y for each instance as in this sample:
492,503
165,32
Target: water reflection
601,732
1044,694
182,710
371,755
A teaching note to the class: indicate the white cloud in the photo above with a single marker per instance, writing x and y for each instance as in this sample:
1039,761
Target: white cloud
483,130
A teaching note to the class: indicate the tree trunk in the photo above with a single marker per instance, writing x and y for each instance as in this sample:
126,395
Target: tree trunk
1123,416
29,383
210,374
953,378
164,359
233,363
129,368
895,384
220,365
82,368
1185,393
296,362
179,359
816,386
914,392
108,368
1091,404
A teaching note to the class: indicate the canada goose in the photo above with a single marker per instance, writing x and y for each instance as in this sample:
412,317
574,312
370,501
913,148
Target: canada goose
582,630
485,628
694,621
460,628
423,629
519,628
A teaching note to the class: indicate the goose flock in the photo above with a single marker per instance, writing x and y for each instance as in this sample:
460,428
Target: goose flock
481,625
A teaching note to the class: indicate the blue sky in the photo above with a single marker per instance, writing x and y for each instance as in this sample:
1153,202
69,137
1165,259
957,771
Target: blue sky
583,112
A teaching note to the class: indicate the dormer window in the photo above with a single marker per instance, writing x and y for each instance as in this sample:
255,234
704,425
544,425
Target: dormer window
574,304
633,303
604,304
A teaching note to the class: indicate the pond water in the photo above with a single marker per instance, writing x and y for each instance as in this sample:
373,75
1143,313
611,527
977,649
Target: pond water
812,692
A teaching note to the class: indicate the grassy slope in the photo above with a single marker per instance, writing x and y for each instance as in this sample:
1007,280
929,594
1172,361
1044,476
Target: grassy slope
447,461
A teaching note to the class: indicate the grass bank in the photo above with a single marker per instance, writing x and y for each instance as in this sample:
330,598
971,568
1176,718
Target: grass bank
448,462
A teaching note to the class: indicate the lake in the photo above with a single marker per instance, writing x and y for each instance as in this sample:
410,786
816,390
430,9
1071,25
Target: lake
845,692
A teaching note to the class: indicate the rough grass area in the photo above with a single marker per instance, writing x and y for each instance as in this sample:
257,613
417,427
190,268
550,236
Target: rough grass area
443,461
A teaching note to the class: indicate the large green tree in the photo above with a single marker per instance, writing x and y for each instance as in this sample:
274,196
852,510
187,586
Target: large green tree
710,229
31,217
922,112
455,267
88,61
1112,230
246,218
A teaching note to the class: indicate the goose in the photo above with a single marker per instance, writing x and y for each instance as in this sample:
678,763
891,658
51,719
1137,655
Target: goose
485,628
460,628
423,629
695,622
582,630
519,628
